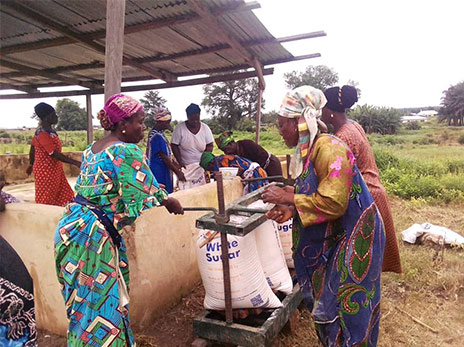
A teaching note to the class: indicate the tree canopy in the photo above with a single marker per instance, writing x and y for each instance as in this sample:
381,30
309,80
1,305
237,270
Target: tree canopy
374,119
231,102
452,105
152,101
317,76
70,115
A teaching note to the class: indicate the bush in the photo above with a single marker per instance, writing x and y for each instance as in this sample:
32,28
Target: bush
413,126
461,139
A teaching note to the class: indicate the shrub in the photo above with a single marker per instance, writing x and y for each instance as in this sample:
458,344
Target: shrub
413,126
461,139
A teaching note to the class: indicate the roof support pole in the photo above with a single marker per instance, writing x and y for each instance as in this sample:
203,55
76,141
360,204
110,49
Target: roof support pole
88,102
258,115
115,14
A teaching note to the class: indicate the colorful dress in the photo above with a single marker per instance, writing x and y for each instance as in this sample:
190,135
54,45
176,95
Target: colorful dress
354,136
88,265
246,169
338,240
51,186
158,143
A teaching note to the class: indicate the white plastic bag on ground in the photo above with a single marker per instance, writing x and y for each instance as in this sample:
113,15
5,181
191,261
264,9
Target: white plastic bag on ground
271,254
286,239
413,232
194,175
248,282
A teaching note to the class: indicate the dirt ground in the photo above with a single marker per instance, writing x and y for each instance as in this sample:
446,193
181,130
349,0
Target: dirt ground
421,307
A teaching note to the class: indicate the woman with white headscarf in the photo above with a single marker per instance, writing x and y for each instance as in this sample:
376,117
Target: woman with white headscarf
338,234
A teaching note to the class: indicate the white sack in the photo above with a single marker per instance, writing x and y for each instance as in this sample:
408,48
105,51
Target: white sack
248,282
413,232
194,175
286,239
271,254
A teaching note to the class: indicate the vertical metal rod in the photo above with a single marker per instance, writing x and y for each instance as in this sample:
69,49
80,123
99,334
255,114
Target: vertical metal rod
288,165
225,250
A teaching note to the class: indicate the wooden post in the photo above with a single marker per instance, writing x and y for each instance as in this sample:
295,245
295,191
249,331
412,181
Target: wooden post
88,101
114,45
258,115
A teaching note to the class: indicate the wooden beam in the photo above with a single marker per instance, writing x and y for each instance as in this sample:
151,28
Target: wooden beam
115,16
190,82
27,69
50,23
156,24
88,103
258,114
25,89
189,53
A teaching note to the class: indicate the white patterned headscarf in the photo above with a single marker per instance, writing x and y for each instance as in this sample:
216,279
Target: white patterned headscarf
304,103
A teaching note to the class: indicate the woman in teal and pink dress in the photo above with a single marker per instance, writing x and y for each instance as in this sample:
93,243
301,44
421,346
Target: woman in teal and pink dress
114,187
338,233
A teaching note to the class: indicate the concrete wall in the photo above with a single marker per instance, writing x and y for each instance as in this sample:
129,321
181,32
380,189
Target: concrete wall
14,166
161,254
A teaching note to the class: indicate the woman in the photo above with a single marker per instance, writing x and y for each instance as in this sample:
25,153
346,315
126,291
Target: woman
45,158
114,187
159,151
246,169
250,150
338,100
338,235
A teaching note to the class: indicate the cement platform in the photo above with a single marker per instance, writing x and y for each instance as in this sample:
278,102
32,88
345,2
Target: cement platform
26,191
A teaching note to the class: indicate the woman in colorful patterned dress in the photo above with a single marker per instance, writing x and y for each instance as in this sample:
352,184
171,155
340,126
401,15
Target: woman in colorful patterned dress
114,187
338,235
46,160
246,168
338,100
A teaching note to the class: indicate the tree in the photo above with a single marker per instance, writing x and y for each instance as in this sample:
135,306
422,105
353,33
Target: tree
452,105
229,102
380,120
70,115
151,101
319,76
356,86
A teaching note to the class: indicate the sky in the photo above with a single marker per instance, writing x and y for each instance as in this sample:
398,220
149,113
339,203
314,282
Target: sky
403,53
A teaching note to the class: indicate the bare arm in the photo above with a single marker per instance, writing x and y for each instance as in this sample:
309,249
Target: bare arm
31,160
65,159
170,164
177,155
209,147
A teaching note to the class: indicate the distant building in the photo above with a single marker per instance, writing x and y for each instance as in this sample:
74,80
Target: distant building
428,113
414,118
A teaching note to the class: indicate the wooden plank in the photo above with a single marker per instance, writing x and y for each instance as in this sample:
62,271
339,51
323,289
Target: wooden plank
190,82
258,115
115,16
88,102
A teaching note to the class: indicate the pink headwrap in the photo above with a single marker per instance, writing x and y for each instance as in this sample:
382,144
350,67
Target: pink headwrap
116,108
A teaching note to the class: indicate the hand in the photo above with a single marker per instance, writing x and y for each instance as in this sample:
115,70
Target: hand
181,176
29,169
280,213
162,186
173,206
277,195
289,189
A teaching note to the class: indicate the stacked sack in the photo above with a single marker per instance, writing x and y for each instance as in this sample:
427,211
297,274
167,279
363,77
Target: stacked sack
257,267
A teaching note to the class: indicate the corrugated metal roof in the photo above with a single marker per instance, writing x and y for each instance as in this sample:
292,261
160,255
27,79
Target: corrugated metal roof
32,47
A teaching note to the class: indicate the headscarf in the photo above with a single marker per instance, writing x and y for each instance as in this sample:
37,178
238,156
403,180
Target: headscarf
224,139
339,99
192,109
162,115
304,103
206,158
43,109
118,107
